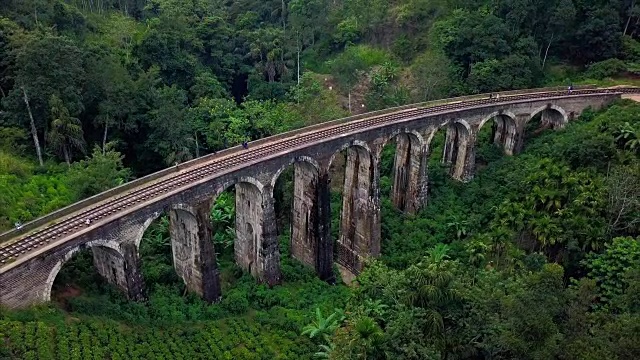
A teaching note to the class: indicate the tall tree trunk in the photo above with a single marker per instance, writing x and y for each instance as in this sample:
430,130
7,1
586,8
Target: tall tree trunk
547,51
349,101
284,17
34,131
298,48
626,27
104,138
195,136
67,157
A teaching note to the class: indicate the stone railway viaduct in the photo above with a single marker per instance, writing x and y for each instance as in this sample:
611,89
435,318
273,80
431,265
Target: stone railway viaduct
31,258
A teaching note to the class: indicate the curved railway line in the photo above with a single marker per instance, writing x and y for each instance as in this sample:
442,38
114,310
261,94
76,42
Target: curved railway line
14,249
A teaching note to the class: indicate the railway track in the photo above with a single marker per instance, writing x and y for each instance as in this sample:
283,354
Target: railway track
12,250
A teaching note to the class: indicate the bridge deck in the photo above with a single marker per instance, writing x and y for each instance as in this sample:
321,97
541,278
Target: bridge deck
19,245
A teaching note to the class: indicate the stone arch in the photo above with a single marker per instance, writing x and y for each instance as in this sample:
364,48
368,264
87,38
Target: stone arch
504,130
462,124
553,109
179,235
358,144
414,136
302,212
143,228
108,244
494,114
406,169
231,182
432,134
458,148
306,160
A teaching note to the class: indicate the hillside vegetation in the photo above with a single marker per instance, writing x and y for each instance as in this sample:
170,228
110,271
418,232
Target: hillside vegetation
537,258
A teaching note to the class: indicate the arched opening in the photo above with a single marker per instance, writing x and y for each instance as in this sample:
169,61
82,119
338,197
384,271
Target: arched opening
438,167
236,226
223,228
457,148
357,229
86,273
400,165
494,138
295,192
157,258
543,119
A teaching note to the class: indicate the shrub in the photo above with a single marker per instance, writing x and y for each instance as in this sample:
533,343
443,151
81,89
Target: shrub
236,302
606,68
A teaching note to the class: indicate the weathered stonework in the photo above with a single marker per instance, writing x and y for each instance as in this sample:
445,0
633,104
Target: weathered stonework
121,269
408,173
459,150
360,225
248,227
504,132
194,256
304,217
28,279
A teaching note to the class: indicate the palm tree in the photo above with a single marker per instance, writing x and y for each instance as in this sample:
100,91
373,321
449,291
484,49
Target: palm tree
438,253
369,333
322,326
627,137
66,131
325,351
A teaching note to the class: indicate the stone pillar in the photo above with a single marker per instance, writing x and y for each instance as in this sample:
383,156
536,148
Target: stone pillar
135,282
269,248
401,169
408,178
510,136
498,128
422,194
248,226
450,146
360,222
324,257
310,223
121,269
505,133
304,239
463,158
256,246
518,137
194,256
467,158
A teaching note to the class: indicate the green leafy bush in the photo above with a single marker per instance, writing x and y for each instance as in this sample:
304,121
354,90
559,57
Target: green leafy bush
605,69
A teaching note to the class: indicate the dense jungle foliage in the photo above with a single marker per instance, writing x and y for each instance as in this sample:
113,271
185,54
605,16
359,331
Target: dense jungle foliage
537,258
